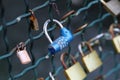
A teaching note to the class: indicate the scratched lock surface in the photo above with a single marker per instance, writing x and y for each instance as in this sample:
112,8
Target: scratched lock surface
19,32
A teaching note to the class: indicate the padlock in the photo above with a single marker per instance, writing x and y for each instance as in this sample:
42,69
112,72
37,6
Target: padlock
75,72
33,21
61,42
22,54
112,6
91,61
115,39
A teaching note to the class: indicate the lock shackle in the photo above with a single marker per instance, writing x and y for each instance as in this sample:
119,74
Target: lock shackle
80,48
45,28
21,46
32,13
62,59
51,76
103,2
111,29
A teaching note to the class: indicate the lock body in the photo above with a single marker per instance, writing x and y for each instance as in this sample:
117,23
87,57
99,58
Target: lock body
92,61
61,42
75,72
116,42
34,23
113,6
23,56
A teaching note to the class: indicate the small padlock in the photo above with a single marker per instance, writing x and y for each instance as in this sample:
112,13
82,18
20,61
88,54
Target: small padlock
115,39
33,21
91,61
22,54
75,72
113,6
65,37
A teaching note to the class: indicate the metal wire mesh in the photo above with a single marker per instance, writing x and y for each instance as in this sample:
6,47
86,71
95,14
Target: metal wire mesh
110,68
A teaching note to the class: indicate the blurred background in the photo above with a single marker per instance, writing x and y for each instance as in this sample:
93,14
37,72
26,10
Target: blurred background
12,35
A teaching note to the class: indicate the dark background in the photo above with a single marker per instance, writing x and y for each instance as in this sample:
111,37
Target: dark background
19,33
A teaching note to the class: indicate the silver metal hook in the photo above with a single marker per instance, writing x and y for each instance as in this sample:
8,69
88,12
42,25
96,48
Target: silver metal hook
45,28
108,36
117,30
80,49
97,37
51,76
